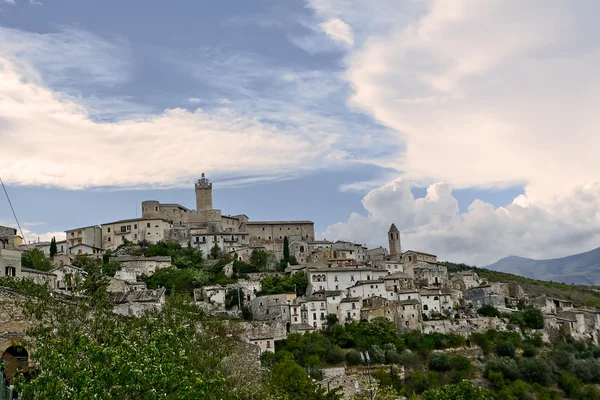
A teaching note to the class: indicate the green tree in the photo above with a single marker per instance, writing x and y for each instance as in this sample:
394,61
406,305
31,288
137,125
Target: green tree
53,249
261,259
488,310
291,382
95,283
178,280
111,267
215,252
461,391
82,354
35,259
286,248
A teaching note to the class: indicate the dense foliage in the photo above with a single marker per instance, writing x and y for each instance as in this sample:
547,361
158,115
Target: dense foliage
276,284
36,259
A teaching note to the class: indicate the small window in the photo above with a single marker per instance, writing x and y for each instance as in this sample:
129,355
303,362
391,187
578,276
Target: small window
134,226
148,225
109,239
10,271
109,229
263,229
269,237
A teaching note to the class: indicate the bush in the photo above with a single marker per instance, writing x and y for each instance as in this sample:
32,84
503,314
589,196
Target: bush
535,370
353,357
529,351
534,318
334,355
461,363
569,383
507,366
496,379
440,363
505,349
488,310
461,391
377,355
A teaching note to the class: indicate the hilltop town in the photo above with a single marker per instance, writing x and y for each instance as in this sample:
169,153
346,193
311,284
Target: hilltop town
279,280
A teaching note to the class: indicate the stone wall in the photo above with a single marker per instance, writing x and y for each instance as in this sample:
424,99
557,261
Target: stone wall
464,327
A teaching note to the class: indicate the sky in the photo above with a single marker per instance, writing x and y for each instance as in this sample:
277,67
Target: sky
470,124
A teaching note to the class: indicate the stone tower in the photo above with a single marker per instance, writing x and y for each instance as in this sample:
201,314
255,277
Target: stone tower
394,239
203,194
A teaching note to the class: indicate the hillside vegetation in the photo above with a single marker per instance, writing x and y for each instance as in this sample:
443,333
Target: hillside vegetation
580,295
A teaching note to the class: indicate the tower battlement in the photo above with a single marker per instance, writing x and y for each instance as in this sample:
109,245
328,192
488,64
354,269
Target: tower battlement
203,194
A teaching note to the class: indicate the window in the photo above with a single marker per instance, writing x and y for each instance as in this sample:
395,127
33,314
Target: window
73,234
335,278
109,229
156,226
263,229
425,307
315,315
148,225
269,237
10,271
295,319
351,278
259,238
134,226
368,278
297,228
123,228
280,237
436,298
78,233
197,239
109,239
204,239
135,236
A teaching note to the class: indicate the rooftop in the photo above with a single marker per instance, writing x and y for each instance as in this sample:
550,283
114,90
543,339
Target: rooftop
137,296
279,222
122,221
85,227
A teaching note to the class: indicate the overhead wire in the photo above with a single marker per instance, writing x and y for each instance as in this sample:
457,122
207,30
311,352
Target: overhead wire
13,212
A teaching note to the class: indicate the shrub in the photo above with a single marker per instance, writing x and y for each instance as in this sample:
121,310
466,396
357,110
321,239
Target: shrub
353,357
496,379
461,363
377,355
488,310
569,383
440,363
535,370
534,318
529,351
334,355
507,366
505,349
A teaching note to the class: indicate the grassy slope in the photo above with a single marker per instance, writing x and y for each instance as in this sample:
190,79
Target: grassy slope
580,295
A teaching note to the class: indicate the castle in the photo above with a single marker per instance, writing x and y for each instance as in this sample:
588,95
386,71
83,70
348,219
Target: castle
204,227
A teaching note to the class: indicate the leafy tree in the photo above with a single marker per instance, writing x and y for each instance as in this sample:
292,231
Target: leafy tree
461,391
215,252
110,268
529,350
53,249
353,357
178,280
95,283
507,366
534,318
505,349
35,259
284,284
440,363
261,259
535,370
291,382
82,354
488,310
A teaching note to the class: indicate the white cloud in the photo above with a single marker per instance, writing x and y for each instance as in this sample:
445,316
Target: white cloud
194,100
483,93
481,235
7,1
338,30
34,2
48,137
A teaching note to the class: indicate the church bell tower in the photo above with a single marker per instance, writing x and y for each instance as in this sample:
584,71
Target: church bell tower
394,240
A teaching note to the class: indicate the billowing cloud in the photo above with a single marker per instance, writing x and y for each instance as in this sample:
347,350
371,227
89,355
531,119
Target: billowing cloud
338,30
483,233
483,93
50,137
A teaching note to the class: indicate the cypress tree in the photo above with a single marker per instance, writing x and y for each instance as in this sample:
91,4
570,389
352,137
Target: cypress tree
286,249
53,249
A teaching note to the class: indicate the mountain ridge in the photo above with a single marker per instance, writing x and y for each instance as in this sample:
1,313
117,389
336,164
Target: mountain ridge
582,268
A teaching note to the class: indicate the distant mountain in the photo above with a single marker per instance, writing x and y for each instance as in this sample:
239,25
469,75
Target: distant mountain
581,268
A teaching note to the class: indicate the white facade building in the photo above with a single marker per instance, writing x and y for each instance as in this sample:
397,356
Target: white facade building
134,230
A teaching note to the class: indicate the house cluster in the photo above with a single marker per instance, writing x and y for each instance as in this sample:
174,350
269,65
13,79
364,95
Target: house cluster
412,290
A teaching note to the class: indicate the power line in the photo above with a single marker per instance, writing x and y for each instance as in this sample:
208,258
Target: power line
14,214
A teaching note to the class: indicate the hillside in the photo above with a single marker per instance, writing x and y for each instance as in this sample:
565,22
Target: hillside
581,295
582,269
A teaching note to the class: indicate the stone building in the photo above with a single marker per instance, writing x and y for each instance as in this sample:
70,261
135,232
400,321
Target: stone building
377,254
350,309
136,266
551,305
409,315
134,230
464,280
379,307
484,295
368,288
398,281
340,278
90,236
10,258
272,306
135,303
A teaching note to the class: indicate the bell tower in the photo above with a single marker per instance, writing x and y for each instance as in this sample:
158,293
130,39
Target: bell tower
394,240
203,194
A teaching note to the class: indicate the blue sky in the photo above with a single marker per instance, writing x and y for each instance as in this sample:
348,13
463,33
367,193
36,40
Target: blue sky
447,119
